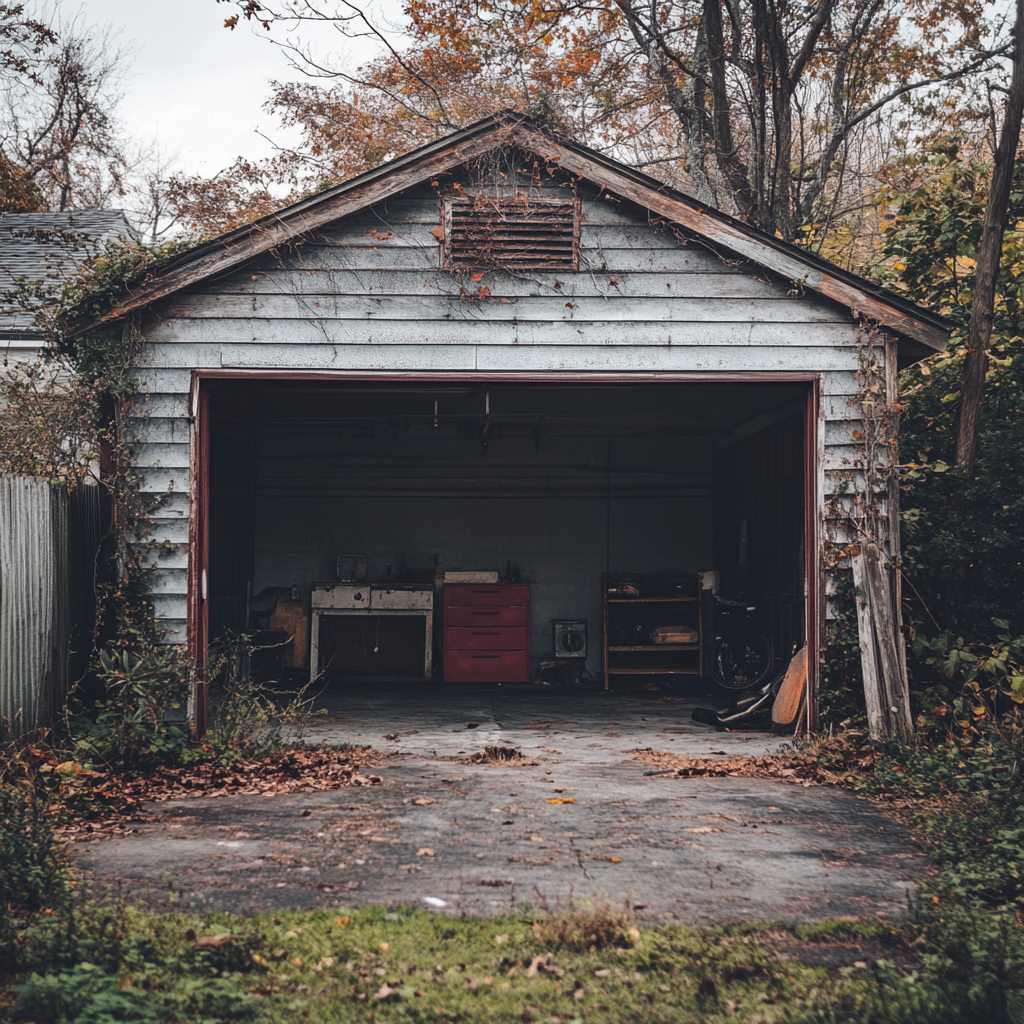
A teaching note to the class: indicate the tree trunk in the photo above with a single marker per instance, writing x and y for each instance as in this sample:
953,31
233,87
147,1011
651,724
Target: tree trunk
986,270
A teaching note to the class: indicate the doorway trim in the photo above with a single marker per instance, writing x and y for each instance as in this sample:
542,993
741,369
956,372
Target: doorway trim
198,623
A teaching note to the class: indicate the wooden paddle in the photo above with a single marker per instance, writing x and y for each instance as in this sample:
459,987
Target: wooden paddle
790,698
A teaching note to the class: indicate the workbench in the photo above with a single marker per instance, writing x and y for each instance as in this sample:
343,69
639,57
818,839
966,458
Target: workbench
371,599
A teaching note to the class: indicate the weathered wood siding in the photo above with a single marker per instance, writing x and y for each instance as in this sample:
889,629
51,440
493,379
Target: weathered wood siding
367,294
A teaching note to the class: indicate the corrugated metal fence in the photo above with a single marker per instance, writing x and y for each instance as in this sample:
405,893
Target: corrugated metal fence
48,544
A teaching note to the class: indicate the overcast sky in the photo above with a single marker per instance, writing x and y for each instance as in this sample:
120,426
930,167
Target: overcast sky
192,85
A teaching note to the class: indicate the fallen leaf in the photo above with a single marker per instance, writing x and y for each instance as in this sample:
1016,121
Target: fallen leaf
561,799
537,964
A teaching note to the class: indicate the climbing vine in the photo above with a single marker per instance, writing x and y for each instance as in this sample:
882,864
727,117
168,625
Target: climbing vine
64,417
859,513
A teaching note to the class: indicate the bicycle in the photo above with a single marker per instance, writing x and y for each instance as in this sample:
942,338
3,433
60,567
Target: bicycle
743,655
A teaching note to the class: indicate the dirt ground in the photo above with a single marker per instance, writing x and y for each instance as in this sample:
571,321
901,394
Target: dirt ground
576,821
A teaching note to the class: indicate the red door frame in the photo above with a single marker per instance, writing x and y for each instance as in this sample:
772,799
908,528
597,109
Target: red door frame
199,490
198,625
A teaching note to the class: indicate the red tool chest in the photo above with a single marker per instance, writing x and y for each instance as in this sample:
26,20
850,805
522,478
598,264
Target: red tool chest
486,633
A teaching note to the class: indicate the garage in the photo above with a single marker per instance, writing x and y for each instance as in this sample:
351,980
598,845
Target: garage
506,379
504,532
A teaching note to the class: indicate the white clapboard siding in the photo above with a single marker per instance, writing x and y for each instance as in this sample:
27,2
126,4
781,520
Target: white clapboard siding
167,581
681,356
593,237
165,556
170,606
161,456
173,506
722,283
169,531
368,295
175,631
175,383
172,482
157,429
152,404
322,332
610,260
841,431
550,310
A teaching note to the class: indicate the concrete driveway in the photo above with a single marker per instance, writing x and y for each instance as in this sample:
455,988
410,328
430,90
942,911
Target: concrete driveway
577,821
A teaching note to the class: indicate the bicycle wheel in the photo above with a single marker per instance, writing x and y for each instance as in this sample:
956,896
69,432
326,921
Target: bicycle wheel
742,664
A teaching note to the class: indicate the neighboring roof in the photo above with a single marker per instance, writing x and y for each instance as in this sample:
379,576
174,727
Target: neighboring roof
923,330
48,248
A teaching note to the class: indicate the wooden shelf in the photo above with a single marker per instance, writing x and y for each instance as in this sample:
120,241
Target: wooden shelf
639,660
652,648
652,671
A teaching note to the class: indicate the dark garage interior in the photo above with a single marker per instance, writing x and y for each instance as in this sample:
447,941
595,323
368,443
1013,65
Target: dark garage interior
448,533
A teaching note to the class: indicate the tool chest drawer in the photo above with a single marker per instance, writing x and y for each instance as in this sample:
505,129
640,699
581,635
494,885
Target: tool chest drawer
483,639
496,667
486,633
475,595
461,616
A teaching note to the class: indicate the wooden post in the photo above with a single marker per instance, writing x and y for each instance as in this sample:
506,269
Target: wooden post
886,694
893,677
873,698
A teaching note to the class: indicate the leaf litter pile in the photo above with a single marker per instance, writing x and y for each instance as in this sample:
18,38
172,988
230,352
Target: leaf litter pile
497,755
832,764
111,803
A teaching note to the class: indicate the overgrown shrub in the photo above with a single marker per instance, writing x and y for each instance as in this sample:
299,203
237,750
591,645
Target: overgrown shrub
962,536
32,870
250,718
140,720
33,874
85,994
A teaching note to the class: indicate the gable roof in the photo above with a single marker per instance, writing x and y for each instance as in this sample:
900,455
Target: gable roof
921,331
48,248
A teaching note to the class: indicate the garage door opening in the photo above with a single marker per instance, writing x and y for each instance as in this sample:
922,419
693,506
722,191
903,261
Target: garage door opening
449,532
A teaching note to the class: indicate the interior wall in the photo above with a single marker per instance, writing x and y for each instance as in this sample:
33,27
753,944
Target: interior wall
557,514
558,545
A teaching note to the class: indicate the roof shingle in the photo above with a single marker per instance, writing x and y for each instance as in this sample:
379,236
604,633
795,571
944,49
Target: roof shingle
48,248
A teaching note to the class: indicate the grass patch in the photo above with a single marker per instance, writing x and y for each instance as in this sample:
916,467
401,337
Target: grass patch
411,965
957,958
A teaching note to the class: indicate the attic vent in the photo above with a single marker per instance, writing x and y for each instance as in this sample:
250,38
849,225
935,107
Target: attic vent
518,233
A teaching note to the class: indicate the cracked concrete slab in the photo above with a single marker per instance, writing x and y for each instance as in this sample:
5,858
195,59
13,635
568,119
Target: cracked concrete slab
579,822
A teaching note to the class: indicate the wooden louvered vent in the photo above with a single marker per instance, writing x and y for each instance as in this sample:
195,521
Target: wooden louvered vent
518,233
